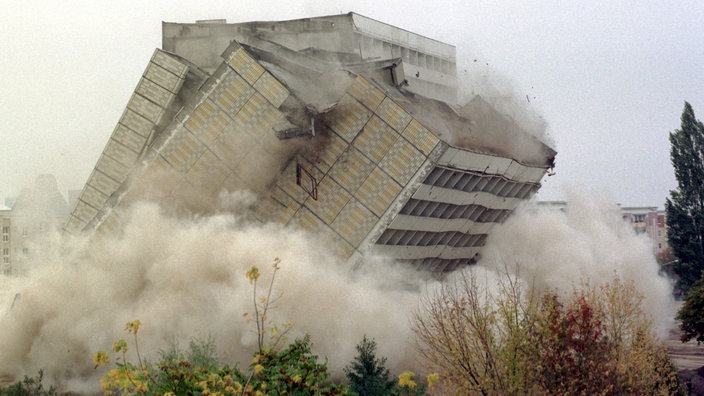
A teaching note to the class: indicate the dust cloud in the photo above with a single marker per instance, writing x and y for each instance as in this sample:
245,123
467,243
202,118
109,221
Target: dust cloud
184,276
587,242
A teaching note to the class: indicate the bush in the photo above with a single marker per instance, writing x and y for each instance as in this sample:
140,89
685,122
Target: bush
292,370
368,375
29,386
506,341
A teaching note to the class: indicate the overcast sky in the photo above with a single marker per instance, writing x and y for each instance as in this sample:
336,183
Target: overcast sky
609,77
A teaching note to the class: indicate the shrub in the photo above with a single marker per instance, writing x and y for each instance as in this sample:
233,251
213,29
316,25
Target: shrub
505,341
292,370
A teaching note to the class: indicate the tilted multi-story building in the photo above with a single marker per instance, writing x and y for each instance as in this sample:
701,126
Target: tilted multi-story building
345,126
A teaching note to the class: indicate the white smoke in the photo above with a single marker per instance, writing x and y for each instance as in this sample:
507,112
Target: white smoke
588,242
182,277
185,276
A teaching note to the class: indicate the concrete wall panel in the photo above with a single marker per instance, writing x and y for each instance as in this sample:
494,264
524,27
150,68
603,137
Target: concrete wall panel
137,123
170,63
120,153
163,78
129,138
147,109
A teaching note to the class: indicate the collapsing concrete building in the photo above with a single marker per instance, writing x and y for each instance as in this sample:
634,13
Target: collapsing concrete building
344,126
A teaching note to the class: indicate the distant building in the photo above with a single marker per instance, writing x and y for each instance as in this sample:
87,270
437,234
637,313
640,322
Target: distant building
646,220
35,212
650,221
345,126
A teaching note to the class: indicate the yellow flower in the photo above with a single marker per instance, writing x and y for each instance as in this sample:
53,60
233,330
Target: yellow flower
296,378
405,380
433,380
101,359
258,368
252,274
133,327
119,346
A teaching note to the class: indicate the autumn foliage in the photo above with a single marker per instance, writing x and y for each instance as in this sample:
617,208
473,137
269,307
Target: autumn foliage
508,339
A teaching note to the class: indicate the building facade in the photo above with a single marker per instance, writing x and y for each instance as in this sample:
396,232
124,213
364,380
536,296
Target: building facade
344,126
34,213
650,221
645,220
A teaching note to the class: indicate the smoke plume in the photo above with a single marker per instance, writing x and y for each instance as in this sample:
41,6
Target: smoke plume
185,276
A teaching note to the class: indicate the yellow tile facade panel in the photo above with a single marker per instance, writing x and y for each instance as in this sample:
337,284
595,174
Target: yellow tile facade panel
375,139
348,117
366,93
420,137
208,173
288,177
378,191
207,122
402,161
331,199
245,66
277,207
354,222
393,114
337,244
351,169
257,115
182,150
306,220
271,89
333,148
234,183
232,146
232,93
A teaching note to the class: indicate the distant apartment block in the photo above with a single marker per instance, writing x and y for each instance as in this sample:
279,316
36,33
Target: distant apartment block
33,213
650,221
646,220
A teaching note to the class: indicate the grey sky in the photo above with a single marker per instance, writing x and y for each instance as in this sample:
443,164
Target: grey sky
610,78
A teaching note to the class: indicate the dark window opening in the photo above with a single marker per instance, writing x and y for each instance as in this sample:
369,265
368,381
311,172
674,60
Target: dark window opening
307,181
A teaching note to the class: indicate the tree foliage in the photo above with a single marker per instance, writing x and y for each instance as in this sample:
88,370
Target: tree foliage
503,340
274,370
29,386
685,206
367,374
691,314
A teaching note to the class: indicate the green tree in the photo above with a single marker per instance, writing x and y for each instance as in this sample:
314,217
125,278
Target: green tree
367,374
691,313
685,206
